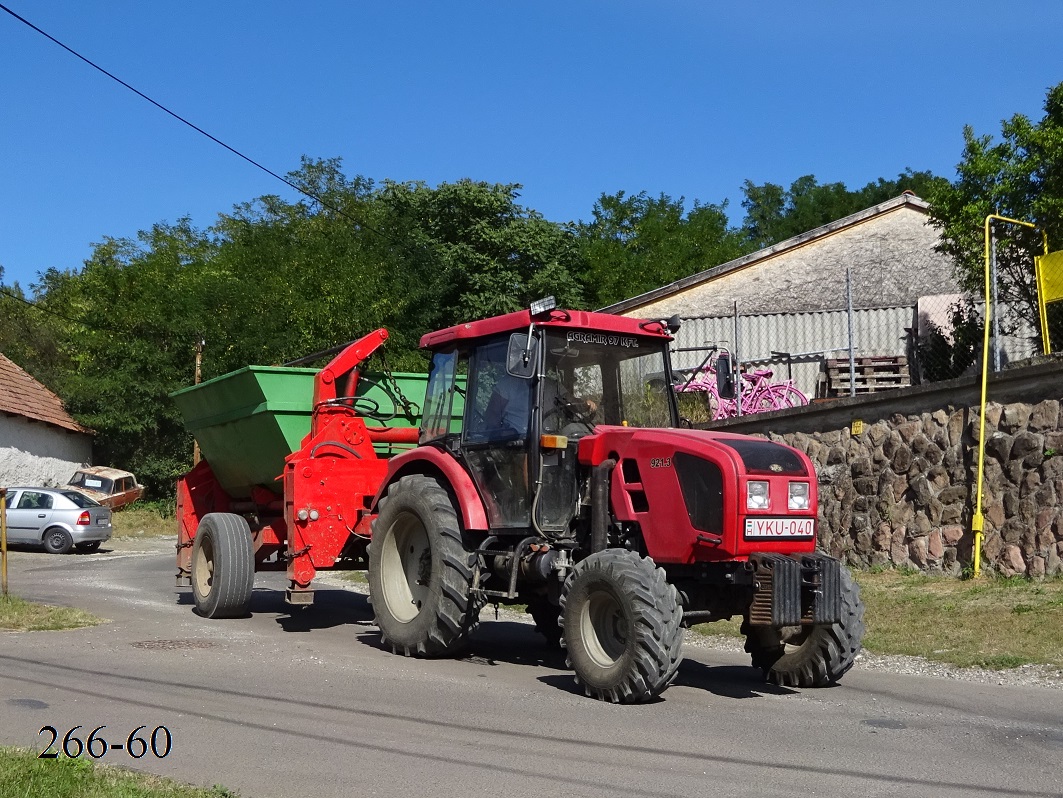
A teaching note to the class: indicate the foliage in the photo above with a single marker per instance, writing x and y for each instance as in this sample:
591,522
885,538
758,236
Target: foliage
25,775
25,335
1019,176
272,281
145,520
774,214
636,243
126,326
944,354
19,615
989,623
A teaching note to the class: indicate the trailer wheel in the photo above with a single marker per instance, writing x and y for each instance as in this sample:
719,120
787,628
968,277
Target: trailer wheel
223,566
622,626
420,575
810,656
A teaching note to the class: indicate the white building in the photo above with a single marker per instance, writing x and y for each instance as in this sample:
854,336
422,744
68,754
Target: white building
40,444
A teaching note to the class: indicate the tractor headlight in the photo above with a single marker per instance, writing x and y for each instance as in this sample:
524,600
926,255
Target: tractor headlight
756,495
798,496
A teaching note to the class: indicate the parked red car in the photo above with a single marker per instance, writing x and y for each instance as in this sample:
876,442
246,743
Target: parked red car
111,487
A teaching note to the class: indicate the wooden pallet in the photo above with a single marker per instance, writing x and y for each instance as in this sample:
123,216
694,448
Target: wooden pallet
872,373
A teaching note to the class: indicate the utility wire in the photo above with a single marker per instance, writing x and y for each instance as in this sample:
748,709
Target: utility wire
198,129
40,308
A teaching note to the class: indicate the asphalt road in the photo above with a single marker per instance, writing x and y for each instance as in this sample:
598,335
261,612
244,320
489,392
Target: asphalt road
307,703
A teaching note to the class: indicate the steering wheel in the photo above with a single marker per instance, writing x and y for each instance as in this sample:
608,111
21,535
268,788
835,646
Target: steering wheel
570,409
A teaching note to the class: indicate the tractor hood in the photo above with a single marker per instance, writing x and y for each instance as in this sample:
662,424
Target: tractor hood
753,455
707,495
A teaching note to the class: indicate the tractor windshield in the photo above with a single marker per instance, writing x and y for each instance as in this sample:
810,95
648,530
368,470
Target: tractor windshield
596,378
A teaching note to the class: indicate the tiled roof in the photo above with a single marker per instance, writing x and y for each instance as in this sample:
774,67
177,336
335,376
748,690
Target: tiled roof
21,395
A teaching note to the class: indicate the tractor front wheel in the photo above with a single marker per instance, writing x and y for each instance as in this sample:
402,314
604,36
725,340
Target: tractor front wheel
420,575
810,656
621,626
223,566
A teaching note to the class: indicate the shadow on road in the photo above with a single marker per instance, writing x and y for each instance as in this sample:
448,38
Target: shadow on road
331,608
727,681
494,643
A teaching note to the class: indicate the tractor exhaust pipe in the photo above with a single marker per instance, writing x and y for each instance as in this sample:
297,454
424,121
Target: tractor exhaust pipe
600,504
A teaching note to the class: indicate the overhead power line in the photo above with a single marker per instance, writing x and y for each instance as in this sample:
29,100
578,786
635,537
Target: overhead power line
41,309
182,120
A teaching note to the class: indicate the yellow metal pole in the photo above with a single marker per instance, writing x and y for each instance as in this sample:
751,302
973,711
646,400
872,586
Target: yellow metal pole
3,540
978,520
1042,310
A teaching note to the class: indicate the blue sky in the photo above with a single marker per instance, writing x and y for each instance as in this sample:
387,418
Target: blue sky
569,99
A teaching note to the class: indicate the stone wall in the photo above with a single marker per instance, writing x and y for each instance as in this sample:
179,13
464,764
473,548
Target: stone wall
902,491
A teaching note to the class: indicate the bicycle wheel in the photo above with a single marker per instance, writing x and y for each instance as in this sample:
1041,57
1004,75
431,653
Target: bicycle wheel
774,397
792,396
761,400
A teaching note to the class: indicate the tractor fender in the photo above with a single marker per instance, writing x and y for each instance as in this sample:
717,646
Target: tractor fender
435,462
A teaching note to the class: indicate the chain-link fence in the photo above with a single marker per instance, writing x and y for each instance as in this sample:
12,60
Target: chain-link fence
849,351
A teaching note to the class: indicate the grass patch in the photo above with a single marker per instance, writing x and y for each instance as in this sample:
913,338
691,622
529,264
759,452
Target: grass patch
991,623
19,615
143,521
23,774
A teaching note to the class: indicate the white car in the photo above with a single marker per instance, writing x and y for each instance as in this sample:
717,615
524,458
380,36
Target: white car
58,519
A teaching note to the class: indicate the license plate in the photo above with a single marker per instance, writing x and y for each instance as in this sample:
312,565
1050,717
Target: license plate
780,527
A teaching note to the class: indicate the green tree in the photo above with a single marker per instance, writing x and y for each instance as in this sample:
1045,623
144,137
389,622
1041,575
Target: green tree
26,335
126,325
635,243
1019,176
473,251
774,214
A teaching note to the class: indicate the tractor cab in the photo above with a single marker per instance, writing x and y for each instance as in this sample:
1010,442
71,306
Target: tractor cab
536,383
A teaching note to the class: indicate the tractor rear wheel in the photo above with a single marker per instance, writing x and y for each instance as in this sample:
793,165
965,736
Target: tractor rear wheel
420,574
622,626
810,656
223,566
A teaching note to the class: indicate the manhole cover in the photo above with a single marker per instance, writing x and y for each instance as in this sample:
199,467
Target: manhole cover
172,645
27,703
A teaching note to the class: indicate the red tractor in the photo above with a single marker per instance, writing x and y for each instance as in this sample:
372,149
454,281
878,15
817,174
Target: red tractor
552,470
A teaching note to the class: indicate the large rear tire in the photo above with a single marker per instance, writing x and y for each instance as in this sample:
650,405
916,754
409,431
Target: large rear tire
810,656
420,575
223,566
622,627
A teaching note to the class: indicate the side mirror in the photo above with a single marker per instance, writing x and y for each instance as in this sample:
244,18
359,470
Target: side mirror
673,323
522,355
725,376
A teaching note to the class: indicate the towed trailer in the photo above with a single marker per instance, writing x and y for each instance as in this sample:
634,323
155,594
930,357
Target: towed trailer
292,458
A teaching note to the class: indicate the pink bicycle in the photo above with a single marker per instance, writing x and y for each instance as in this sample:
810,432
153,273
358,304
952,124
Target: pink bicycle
758,395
